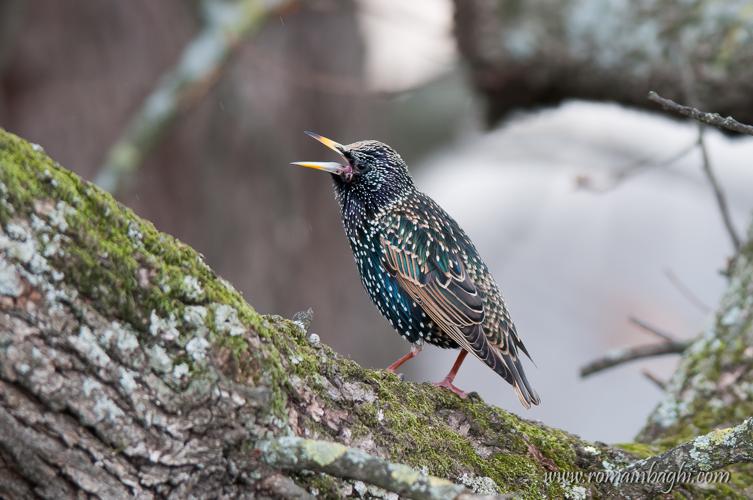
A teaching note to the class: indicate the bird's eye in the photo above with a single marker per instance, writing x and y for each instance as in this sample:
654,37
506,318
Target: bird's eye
357,162
359,165
362,167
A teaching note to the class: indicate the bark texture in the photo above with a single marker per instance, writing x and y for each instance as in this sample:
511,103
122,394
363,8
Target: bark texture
539,52
127,367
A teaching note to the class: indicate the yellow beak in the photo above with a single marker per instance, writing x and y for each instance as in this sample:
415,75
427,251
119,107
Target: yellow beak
334,146
326,166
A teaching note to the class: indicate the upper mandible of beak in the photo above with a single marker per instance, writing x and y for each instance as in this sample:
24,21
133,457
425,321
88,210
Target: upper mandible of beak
334,146
326,166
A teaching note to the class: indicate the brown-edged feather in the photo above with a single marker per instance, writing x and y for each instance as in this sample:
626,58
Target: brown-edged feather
454,302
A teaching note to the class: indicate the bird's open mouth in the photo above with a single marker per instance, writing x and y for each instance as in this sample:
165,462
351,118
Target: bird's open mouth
332,167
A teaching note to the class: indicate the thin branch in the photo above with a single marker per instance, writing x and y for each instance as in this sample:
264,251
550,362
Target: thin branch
651,329
714,119
710,452
654,379
635,168
299,454
721,200
686,291
625,355
199,66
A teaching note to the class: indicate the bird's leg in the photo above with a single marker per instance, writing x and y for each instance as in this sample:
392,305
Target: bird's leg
414,350
447,381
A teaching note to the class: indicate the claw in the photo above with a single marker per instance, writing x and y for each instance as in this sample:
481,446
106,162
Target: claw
447,381
450,386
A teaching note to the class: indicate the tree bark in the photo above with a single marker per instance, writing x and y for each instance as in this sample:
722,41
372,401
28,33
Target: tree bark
127,367
534,53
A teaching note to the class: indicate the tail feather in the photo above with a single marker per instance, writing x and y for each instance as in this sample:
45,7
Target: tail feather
527,395
506,364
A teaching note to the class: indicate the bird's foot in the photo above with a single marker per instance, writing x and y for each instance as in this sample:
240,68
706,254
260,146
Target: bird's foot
393,371
447,384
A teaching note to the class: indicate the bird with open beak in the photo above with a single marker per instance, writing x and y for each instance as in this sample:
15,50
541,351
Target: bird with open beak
419,267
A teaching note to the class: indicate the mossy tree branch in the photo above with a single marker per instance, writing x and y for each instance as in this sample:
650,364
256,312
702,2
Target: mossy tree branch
299,455
710,452
538,52
127,367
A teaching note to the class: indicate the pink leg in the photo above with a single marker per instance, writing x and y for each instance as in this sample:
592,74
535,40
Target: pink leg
447,381
414,350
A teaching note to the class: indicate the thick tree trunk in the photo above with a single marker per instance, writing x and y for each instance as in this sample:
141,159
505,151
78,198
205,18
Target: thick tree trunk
127,367
539,52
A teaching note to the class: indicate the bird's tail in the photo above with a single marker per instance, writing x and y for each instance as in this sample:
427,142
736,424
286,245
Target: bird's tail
505,363
527,394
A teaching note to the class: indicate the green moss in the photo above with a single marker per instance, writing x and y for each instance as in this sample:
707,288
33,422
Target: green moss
641,450
323,485
110,245
112,251
411,421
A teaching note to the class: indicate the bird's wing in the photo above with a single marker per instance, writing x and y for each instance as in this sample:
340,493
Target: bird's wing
430,270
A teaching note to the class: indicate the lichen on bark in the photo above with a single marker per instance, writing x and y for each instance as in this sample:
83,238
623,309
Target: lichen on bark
127,367
544,51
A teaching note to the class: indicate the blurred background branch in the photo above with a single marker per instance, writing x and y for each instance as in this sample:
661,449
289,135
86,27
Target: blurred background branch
686,292
539,52
721,199
628,354
224,24
670,344
651,377
714,119
623,173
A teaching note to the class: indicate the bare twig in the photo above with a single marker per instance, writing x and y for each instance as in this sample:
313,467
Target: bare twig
298,454
721,200
710,452
635,168
226,24
686,291
625,355
714,119
651,329
654,379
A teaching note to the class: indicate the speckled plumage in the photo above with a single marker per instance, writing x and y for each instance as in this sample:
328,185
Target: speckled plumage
420,268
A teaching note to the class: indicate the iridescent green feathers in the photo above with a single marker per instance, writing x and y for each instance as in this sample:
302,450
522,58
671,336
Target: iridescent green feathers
438,266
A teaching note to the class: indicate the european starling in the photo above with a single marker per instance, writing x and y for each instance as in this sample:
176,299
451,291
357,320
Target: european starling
419,267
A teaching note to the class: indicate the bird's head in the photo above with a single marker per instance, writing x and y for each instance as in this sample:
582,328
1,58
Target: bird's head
371,171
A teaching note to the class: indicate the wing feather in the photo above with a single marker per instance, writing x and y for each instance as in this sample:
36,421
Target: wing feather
441,285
